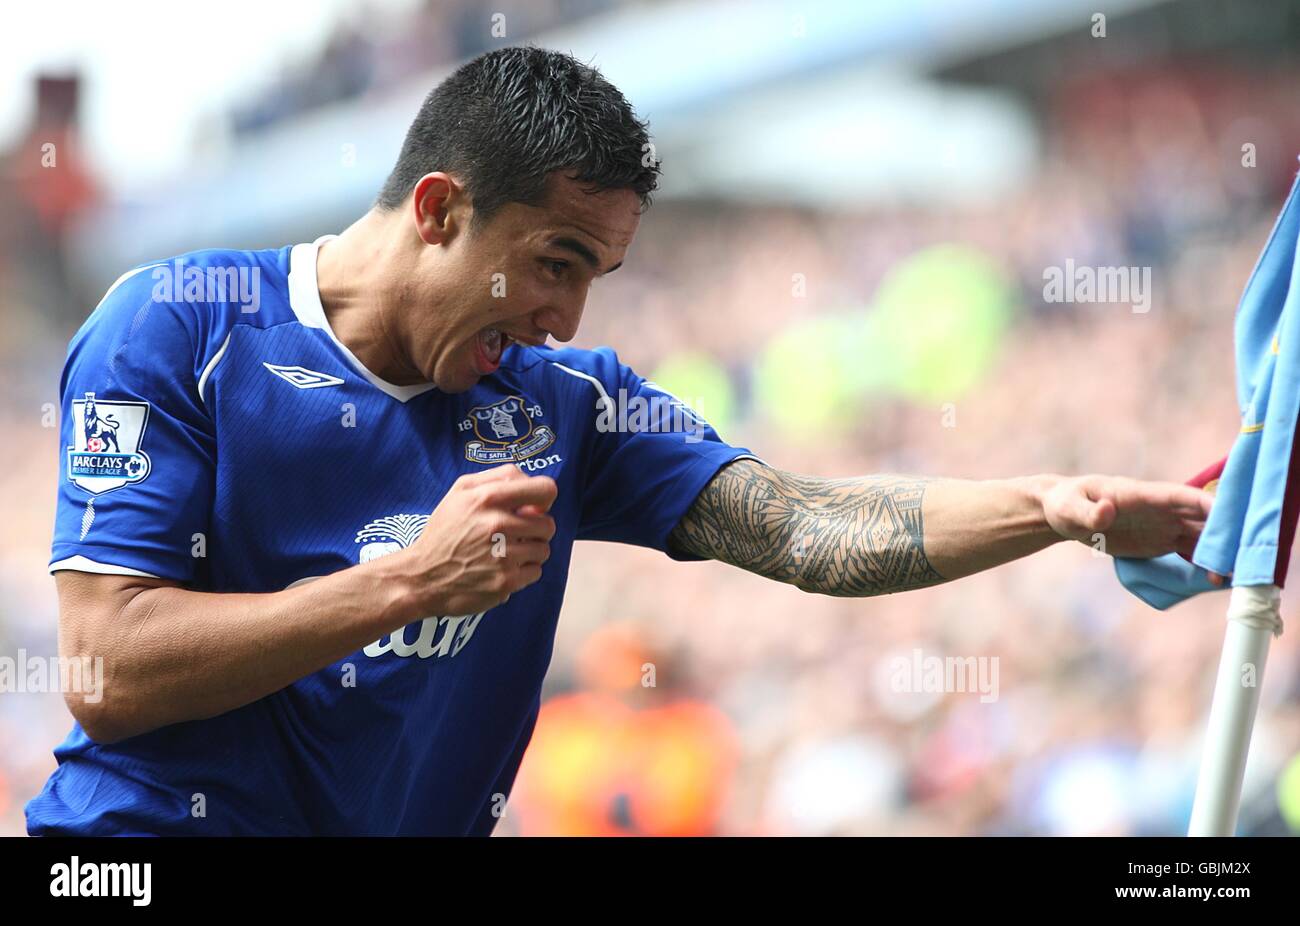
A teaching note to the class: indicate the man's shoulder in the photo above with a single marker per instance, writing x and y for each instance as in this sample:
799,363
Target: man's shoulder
600,365
193,299
212,286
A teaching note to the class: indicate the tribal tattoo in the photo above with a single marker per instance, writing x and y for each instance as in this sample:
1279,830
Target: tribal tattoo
846,537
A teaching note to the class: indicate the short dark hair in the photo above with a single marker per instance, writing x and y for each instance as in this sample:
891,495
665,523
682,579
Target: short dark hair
509,117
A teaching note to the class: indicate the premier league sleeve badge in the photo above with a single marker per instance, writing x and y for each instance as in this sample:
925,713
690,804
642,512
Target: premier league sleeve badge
105,453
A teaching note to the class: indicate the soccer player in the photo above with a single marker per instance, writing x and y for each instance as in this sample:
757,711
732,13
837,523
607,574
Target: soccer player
316,504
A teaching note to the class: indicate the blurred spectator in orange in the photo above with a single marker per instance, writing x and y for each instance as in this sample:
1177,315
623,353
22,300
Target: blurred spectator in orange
624,756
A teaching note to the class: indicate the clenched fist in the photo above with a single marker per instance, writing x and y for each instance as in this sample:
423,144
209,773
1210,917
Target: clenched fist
1135,518
487,539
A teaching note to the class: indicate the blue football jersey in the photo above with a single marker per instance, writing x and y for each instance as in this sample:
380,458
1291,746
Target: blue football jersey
216,433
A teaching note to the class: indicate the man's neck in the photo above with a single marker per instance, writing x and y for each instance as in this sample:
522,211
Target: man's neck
360,295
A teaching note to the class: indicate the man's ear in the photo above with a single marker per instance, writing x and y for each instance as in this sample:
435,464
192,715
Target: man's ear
436,207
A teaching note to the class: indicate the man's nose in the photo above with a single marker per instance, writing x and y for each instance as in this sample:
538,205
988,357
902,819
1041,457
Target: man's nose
560,320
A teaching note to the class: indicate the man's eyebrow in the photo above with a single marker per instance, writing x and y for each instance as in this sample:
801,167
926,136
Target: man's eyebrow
577,247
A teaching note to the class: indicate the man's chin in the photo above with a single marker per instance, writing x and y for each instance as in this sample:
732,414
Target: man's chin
457,385
458,382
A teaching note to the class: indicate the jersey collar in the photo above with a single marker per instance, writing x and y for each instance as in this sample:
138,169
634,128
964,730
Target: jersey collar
304,299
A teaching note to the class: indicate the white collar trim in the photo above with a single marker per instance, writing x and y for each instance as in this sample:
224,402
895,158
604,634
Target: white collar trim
304,299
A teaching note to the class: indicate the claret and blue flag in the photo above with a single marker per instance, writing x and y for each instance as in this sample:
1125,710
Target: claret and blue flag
1252,524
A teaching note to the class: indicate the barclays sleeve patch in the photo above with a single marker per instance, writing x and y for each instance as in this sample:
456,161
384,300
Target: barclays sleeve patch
106,452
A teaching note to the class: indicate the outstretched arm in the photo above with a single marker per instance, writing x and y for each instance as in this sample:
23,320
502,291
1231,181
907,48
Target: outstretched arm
889,533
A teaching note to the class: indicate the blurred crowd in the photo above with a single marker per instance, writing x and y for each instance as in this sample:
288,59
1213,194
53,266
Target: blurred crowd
695,698
369,51
1102,700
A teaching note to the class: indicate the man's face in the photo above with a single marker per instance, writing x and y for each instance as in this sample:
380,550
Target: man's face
520,277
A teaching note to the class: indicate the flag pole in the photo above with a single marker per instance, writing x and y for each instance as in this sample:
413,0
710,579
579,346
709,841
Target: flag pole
1254,616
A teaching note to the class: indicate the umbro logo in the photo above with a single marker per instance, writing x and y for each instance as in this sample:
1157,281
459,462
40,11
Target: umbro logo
302,377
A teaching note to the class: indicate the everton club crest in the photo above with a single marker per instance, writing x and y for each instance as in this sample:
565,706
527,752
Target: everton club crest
105,452
505,433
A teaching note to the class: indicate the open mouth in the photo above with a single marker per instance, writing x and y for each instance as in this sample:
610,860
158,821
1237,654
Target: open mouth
488,348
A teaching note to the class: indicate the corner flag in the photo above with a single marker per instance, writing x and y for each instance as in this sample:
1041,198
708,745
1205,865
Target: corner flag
1252,523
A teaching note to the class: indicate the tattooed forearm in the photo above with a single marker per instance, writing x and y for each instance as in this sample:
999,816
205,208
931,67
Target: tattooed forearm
847,537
